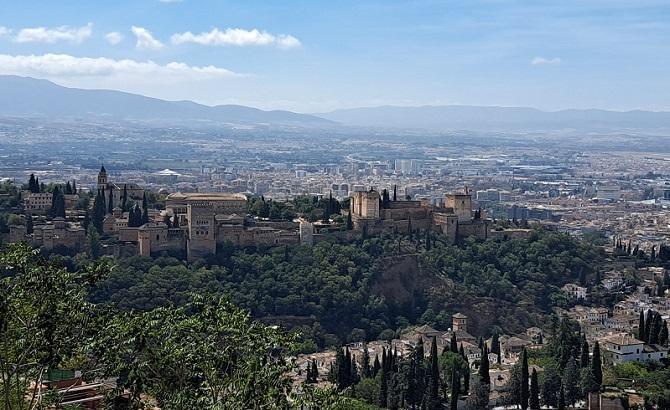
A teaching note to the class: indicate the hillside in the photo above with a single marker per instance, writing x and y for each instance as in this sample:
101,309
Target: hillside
24,96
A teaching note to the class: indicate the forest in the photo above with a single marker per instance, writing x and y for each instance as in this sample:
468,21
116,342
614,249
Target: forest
335,293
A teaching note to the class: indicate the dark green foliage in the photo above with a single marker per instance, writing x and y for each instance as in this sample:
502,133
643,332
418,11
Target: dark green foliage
99,212
29,224
663,334
432,399
455,388
57,203
110,202
524,394
550,387
534,400
584,357
484,377
570,382
640,328
596,365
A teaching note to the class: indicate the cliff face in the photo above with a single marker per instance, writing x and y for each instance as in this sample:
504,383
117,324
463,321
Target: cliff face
408,287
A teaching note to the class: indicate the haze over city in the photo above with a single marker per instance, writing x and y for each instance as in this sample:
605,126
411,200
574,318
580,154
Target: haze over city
319,56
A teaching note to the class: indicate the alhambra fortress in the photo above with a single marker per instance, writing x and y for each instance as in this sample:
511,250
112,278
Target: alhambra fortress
200,222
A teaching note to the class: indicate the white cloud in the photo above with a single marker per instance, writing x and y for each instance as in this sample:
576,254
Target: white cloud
237,37
545,61
67,66
114,38
145,40
53,35
4,31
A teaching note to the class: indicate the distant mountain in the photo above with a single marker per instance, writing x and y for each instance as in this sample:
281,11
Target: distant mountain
24,96
460,117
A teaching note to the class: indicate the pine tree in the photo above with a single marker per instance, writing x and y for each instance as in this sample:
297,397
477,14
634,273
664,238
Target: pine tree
640,327
524,379
534,399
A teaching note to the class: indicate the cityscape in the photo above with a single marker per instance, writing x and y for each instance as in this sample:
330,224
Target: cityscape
165,244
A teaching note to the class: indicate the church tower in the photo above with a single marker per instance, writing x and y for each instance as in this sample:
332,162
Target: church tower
102,178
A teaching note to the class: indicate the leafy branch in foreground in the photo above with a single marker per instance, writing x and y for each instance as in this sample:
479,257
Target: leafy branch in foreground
205,354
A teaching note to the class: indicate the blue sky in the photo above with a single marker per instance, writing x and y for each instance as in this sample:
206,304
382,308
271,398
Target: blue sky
313,56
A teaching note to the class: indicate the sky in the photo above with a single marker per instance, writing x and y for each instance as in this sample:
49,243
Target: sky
316,56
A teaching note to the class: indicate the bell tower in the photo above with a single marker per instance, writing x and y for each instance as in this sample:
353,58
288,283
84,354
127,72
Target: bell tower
102,178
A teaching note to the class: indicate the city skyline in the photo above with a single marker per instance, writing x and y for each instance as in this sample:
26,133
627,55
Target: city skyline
317,57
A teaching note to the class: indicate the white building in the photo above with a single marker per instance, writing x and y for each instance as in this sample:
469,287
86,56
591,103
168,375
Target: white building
623,348
574,291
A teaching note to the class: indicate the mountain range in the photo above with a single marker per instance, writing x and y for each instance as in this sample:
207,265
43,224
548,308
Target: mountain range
29,97
25,96
462,117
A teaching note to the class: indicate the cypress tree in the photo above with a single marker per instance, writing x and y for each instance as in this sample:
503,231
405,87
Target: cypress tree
584,357
640,327
383,388
87,219
68,188
347,367
29,224
596,365
175,221
647,325
484,377
570,381
341,369
350,222
434,387
534,400
466,377
145,208
74,186
124,198
663,334
376,366
454,389
354,378
31,183
365,371
655,328
524,379
561,398
99,212
110,202
395,193
453,346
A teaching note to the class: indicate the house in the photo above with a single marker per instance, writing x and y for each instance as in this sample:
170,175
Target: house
574,291
623,348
